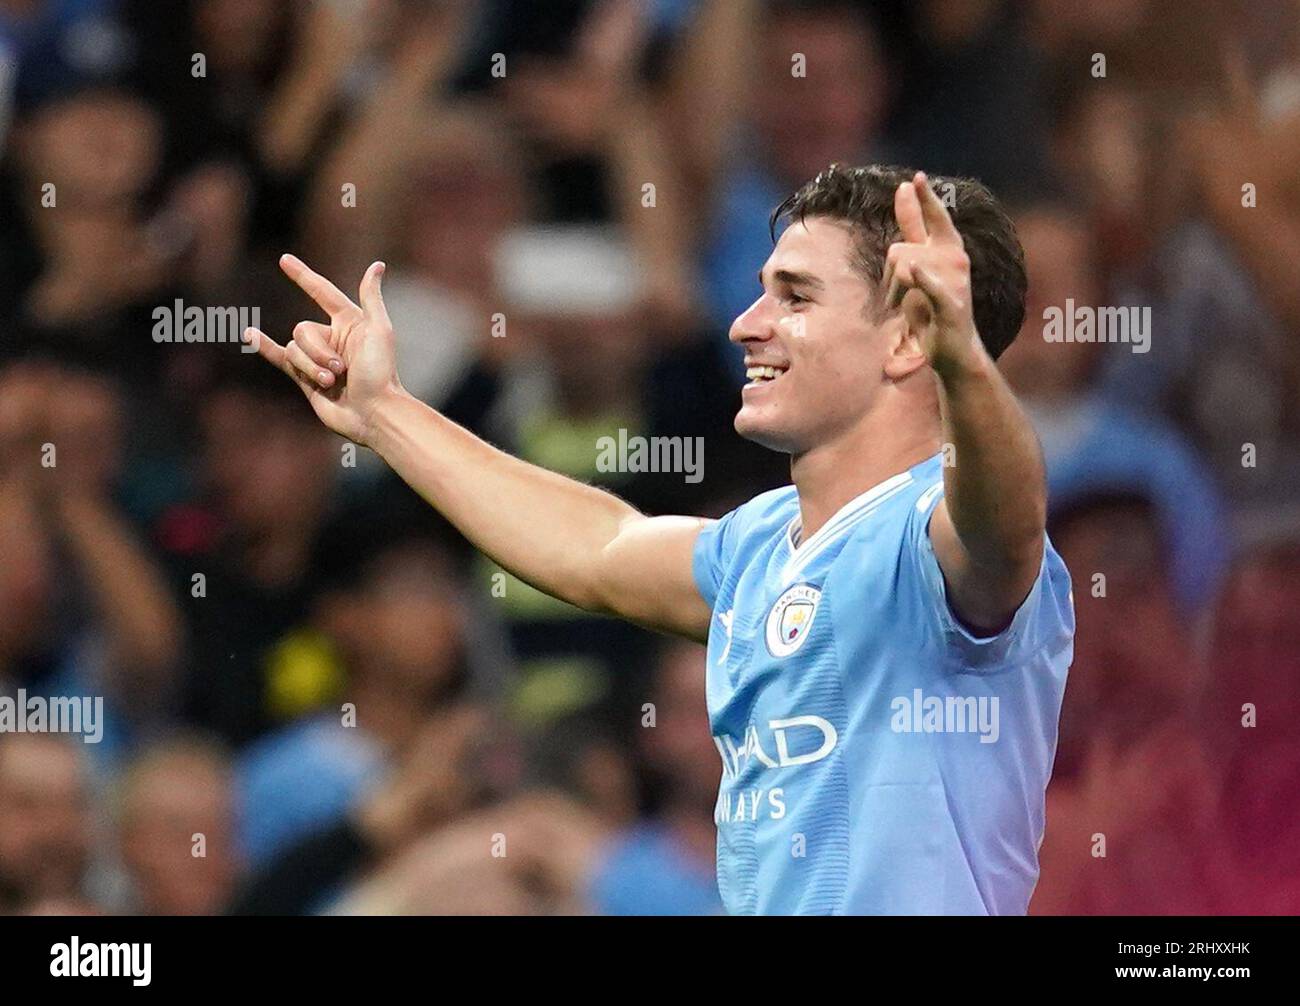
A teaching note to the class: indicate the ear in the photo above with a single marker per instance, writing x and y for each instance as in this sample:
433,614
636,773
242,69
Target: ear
904,355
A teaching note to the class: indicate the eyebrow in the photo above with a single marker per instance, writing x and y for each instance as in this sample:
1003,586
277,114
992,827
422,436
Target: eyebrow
791,278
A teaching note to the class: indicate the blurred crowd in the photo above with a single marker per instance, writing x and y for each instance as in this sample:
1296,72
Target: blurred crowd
319,699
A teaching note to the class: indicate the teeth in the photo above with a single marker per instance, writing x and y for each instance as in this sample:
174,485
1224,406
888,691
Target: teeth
763,373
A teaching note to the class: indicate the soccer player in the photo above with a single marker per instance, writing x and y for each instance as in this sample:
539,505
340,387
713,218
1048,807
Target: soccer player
888,637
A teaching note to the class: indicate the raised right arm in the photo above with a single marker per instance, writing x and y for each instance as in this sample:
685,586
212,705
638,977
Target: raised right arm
571,540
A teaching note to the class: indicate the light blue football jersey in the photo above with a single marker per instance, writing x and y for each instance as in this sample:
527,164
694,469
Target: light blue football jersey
877,756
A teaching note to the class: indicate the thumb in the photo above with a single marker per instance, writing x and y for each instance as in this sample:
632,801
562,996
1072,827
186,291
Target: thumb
372,299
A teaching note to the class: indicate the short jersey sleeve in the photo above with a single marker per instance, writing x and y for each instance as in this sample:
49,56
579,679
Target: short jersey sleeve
714,547
1044,622
732,540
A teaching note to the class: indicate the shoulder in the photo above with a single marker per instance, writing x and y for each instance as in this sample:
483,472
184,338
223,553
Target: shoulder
764,515
738,535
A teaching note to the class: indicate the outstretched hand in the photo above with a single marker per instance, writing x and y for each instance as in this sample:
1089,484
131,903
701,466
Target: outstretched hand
345,368
928,275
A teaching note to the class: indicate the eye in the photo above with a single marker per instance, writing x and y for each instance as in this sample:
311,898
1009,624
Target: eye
794,298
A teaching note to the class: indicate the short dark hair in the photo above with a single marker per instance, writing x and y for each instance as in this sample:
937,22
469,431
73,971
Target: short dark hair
864,197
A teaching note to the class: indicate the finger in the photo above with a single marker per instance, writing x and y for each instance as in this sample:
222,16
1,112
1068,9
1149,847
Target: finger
897,278
331,299
937,219
307,368
314,338
277,356
935,290
267,348
907,211
893,290
899,284
372,298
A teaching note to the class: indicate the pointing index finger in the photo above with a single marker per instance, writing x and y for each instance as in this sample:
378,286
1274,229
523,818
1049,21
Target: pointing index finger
331,299
937,219
907,211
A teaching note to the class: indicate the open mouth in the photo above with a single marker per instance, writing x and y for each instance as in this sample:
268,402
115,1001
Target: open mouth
763,375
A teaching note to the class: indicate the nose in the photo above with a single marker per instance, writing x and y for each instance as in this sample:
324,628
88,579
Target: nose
757,323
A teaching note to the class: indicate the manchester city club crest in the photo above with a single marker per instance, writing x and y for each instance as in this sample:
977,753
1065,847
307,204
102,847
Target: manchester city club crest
791,618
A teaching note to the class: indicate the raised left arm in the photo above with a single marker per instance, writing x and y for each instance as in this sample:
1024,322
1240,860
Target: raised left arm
987,532
988,529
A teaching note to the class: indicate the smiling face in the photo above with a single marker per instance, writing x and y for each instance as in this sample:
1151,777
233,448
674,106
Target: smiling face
815,349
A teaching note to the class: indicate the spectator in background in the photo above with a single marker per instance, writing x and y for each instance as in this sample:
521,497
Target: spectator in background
456,761
1132,772
1163,154
566,91
263,101
1250,711
46,827
757,130
570,294
92,613
176,829
1137,663
973,101
113,237
398,630
1093,443
243,559
546,846
1243,159
455,177
665,865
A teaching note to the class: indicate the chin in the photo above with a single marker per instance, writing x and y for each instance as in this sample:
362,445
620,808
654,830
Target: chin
765,433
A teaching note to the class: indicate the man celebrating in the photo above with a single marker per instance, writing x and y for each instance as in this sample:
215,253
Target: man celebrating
888,638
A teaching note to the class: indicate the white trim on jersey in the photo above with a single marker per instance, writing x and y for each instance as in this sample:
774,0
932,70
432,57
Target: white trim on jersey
929,496
843,518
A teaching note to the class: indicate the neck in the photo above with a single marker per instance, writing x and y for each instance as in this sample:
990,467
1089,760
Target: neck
831,474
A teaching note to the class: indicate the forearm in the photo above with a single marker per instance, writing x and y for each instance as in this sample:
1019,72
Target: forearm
659,234
324,49
386,143
569,540
710,80
995,486
128,593
379,147
295,114
548,530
